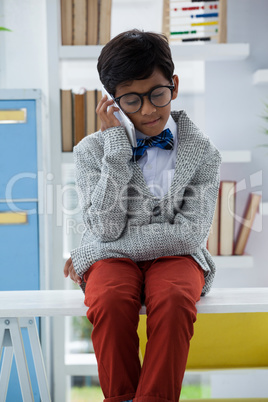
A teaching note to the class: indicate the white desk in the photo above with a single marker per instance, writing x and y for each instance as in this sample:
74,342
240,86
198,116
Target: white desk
19,308
47,303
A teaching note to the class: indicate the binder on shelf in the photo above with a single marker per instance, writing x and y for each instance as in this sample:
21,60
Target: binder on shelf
92,22
213,239
66,120
79,117
80,22
227,217
105,21
85,22
90,112
98,96
67,22
222,37
248,219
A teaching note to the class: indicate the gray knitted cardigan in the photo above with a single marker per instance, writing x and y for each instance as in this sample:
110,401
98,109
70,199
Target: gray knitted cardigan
123,218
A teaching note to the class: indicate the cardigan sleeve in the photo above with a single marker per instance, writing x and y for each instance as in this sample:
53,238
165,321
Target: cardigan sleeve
185,236
101,184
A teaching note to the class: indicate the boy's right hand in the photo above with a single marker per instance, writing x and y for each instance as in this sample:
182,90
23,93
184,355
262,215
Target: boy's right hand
105,111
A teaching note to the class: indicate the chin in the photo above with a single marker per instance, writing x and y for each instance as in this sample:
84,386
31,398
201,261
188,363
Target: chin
153,131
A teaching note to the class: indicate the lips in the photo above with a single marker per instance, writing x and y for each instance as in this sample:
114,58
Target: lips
151,122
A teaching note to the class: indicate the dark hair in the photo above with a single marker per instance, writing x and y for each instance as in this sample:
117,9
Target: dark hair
134,55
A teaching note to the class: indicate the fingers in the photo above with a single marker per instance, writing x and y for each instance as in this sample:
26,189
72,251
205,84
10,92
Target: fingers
74,276
103,103
106,108
105,111
66,267
70,271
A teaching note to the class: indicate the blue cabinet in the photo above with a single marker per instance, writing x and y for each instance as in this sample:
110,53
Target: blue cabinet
18,152
19,249
19,223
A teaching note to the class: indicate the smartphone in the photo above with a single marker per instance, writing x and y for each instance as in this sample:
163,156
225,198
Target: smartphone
124,120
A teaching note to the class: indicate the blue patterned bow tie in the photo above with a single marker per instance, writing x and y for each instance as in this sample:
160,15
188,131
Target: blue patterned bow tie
163,140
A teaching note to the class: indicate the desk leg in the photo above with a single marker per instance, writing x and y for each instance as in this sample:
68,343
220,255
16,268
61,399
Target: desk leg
5,372
2,333
30,324
5,342
22,367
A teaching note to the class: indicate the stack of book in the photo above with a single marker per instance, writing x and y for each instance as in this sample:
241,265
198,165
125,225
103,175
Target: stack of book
222,240
78,116
196,20
85,22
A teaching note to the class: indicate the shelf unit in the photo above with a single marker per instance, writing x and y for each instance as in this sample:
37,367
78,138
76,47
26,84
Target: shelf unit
182,51
260,77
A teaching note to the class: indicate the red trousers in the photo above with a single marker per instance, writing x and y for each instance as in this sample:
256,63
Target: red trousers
172,286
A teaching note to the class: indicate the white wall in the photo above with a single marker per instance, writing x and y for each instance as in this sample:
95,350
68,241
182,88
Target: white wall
24,50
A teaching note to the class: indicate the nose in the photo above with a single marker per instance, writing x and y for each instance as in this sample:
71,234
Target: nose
147,107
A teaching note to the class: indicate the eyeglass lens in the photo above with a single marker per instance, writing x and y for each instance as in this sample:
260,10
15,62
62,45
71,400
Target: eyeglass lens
159,97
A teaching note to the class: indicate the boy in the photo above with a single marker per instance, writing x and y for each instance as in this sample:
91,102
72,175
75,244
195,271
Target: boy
147,213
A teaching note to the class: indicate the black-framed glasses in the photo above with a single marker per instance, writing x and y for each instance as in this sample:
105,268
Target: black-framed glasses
159,96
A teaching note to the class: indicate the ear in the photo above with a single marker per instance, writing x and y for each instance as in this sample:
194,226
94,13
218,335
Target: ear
176,85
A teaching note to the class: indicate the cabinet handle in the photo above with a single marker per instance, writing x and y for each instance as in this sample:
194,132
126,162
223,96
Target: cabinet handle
13,218
13,116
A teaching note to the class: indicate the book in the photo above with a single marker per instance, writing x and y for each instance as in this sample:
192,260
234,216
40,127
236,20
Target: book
227,217
91,125
213,239
79,22
66,120
86,22
79,117
67,22
98,96
105,21
92,22
248,219
222,37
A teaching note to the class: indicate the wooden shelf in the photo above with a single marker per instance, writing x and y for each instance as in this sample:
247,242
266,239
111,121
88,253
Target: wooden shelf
234,261
227,156
180,51
210,52
79,52
260,77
